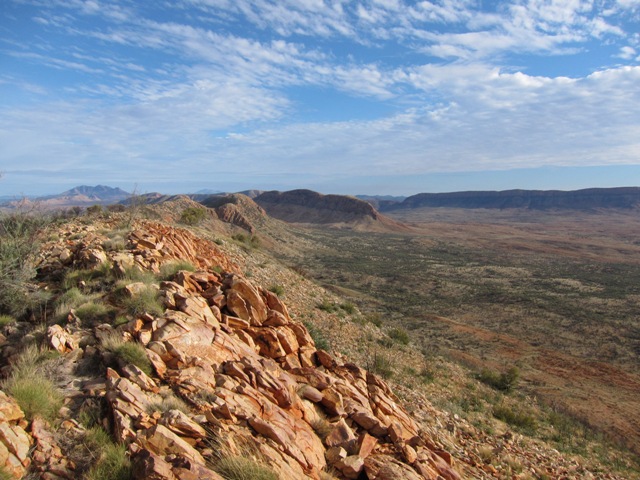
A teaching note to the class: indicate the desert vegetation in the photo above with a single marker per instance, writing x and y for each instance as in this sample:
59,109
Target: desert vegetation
514,311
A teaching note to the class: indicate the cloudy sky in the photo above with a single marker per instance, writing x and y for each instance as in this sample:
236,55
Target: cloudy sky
340,96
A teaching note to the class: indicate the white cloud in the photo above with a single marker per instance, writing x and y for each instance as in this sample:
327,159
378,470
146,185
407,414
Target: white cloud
199,95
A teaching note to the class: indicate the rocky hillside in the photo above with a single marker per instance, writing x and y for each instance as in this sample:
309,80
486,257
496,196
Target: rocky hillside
308,207
165,353
191,367
587,199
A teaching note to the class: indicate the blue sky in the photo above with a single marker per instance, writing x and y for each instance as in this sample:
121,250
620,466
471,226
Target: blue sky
340,96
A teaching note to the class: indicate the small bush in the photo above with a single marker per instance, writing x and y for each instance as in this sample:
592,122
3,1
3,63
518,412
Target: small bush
321,342
94,210
193,215
94,313
146,301
277,289
515,417
400,335
505,381
251,241
327,306
112,462
6,320
92,277
169,269
35,394
381,365
348,307
169,402
243,468
134,353
19,244
135,274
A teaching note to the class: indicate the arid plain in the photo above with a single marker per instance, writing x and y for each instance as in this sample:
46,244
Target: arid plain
554,293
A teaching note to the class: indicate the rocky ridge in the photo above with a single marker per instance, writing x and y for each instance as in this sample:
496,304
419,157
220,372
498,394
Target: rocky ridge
251,377
586,199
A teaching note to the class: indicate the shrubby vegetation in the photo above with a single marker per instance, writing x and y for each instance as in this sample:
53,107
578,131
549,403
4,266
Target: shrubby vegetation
19,243
193,215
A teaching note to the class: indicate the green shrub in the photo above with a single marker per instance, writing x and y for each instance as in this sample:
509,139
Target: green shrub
505,381
95,279
6,320
348,307
515,417
193,215
146,301
136,274
94,210
169,269
35,394
19,244
321,342
94,313
381,365
128,352
252,241
277,289
111,462
400,335
327,306
243,468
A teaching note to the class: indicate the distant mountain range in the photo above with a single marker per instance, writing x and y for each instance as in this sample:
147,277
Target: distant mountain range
587,199
307,206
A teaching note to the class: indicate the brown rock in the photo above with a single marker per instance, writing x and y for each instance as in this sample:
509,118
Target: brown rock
384,467
9,409
332,401
60,339
351,466
310,393
366,444
335,454
266,339
162,441
149,466
340,436
325,359
252,307
179,423
275,304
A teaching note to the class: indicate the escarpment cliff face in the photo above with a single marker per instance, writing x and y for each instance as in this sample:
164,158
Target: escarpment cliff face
306,206
592,198
245,380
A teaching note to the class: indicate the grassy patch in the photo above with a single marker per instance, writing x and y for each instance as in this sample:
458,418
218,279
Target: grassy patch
277,289
321,342
381,365
168,402
400,335
515,416
237,467
111,461
146,301
169,269
128,352
6,320
31,387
